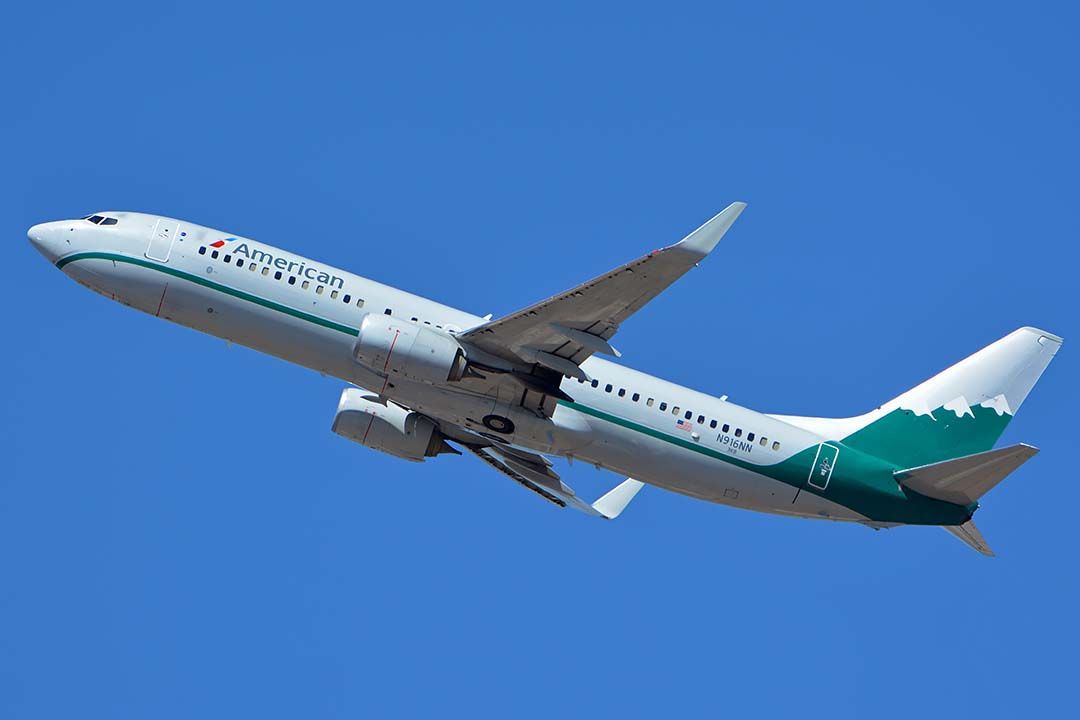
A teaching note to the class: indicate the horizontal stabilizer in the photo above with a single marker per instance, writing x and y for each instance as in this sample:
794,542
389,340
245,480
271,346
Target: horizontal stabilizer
970,536
966,479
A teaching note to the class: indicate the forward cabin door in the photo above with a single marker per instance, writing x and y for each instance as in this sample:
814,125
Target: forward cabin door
161,240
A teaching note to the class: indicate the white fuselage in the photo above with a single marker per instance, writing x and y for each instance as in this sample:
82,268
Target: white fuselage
631,423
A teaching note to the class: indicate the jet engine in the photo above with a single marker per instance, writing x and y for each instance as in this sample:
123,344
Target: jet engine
388,428
390,346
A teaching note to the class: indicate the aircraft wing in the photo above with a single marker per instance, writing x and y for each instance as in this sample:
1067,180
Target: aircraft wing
534,472
563,331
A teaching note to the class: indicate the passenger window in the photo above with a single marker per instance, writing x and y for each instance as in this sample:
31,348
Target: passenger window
277,275
689,414
663,406
776,445
595,383
675,410
359,302
252,267
318,289
764,441
414,319
622,392
726,428
202,251
386,311
239,262
228,259
214,255
346,299
265,271
292,279
701,419
635,397
305,285
333,294
649,402
607,388
750,437
712,424
738,432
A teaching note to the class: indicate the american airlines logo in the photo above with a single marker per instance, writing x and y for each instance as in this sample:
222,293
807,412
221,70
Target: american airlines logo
294,267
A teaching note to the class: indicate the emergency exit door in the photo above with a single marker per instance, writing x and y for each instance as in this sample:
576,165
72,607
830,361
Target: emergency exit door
161,240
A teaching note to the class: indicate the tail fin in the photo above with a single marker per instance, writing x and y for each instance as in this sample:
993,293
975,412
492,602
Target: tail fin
960,411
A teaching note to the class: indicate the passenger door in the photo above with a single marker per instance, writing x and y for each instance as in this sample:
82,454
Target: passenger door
161,239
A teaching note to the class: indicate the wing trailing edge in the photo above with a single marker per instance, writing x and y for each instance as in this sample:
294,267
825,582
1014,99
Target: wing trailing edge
534,472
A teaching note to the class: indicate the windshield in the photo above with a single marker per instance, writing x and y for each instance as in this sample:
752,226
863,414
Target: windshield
101,220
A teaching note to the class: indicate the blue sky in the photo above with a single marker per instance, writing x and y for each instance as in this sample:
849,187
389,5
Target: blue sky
183,536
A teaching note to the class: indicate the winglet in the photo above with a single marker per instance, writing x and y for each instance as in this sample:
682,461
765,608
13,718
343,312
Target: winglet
616,499
705,238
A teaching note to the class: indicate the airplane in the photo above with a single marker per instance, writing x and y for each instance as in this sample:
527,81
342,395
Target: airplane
425,379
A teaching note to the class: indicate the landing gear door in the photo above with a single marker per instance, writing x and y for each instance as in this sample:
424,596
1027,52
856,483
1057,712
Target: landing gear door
161,240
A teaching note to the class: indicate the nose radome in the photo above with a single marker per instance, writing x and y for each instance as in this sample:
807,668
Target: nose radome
42,237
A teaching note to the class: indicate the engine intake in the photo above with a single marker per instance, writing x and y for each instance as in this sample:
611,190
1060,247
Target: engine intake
388,428
390,346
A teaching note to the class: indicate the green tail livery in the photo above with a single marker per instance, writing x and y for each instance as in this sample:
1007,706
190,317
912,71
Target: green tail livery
933,444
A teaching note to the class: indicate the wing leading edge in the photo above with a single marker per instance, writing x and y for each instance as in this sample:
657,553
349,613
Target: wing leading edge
561,332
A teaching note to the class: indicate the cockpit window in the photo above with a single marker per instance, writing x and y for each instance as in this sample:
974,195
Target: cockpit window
101,220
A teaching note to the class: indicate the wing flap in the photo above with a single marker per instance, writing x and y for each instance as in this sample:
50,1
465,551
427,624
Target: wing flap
534,472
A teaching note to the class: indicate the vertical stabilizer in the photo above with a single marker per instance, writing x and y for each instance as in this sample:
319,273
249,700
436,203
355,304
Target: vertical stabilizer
960,411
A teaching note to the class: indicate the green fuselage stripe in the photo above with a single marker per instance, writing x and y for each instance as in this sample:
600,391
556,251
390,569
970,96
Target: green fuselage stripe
270,304
864,495
660,435
293,312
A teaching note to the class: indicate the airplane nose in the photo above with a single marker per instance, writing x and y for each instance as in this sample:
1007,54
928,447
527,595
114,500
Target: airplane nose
41,237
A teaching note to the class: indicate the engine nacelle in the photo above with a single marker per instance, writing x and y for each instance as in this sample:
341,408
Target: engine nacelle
388,428
390,346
